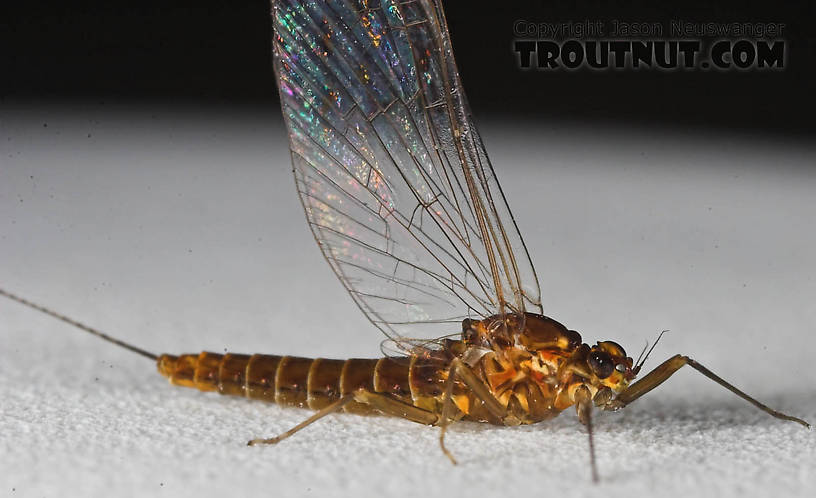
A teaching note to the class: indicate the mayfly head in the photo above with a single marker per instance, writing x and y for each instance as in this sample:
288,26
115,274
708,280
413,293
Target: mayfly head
607,360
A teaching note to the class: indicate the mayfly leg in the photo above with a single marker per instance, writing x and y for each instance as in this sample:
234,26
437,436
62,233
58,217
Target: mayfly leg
583,405
668,368
333,407
380,402
394,407
445,419
479,389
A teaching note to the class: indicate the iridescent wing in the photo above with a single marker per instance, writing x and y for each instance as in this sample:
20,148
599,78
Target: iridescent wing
394,179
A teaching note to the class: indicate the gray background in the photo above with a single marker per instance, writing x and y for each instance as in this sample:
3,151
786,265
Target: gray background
178,229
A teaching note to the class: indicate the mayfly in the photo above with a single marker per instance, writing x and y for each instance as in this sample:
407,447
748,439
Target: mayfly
404,204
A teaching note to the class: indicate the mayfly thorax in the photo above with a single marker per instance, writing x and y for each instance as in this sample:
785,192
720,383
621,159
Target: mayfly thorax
405,206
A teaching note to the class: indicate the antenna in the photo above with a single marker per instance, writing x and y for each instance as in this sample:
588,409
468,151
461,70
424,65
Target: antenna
81,326
639,363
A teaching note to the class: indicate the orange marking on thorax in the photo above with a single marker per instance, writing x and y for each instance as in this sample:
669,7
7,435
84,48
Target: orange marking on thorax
498,378
462,402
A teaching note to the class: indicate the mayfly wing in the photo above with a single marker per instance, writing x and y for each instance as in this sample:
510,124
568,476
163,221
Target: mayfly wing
395,182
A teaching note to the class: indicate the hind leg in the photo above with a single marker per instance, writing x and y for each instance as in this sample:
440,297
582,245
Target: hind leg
380,402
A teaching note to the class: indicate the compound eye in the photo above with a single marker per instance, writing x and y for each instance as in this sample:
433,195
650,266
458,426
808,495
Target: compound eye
612,348
601,364
620,367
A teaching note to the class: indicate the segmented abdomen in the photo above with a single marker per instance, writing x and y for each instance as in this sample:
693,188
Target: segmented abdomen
306,382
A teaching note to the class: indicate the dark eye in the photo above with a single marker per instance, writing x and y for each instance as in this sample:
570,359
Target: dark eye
613,348
601,364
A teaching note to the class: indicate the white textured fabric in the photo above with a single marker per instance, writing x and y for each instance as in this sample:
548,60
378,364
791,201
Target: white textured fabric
180,231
